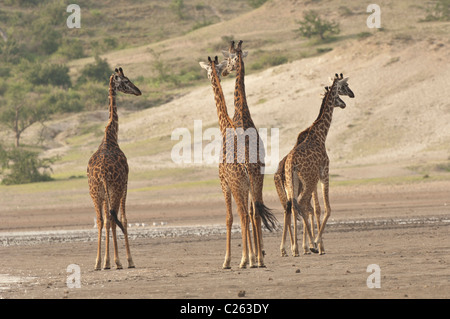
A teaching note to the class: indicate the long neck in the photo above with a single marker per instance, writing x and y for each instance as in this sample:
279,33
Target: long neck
321,125
112,128
241,117
222,112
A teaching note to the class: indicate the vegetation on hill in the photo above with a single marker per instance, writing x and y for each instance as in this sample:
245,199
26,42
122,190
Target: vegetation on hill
38,53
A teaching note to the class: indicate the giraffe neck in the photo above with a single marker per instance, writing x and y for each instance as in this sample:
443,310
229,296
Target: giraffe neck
241,117
222,112
321,125
112,127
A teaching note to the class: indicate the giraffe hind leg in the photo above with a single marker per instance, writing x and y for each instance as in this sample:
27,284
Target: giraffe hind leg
125,231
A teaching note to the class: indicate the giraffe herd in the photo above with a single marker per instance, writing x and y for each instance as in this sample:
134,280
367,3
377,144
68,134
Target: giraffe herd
241,169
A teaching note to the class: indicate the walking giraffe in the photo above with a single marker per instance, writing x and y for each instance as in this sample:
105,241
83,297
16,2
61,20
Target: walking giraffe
307,163
107,173
232,172
280,180
253,147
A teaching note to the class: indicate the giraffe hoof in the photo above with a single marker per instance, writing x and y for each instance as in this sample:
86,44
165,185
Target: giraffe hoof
262,266
314,250
132,266
226,267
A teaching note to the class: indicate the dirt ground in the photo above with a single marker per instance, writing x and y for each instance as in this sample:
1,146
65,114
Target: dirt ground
402,229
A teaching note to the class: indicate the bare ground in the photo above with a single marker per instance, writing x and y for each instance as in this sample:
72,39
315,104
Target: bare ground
403,229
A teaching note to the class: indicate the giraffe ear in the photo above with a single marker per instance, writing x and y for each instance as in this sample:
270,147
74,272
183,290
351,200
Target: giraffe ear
244,54
204,65
226,54
343,81
116,70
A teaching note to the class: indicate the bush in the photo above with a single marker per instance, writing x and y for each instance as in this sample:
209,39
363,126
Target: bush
439,12
25,167
313,25
72,49
268,60
50,74
256,3
93,95
99,71
61,101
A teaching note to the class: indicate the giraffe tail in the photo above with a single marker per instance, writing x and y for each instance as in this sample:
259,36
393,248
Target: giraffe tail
267,217
112,212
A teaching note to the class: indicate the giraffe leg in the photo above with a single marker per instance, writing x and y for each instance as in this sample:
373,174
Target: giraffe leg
294,212
305,206
325,190
286,226
107,223
98,261
254,229
279,185
317,213
310,215
125,226
115,206
229,224
245,220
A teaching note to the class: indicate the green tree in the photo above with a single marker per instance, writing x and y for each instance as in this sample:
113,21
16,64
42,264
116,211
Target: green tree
313,25
49,74
21,111
99,71
25,167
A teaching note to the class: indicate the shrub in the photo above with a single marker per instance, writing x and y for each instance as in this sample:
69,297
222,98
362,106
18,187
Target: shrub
99,71
50,74
313,25
25,167
256,3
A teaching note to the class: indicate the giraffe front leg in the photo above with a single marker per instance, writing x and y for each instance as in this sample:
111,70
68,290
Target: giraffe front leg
294,246
244,231
229,224
252,256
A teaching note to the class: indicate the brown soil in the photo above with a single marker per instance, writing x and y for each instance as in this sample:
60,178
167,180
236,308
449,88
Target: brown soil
402,229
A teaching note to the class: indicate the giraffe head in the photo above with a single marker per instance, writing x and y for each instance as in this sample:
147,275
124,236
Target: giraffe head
219,67
344,89
232,56
122,83
338,101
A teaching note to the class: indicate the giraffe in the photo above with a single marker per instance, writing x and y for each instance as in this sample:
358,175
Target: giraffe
107,173
279,179
232,172
308,162
254,152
